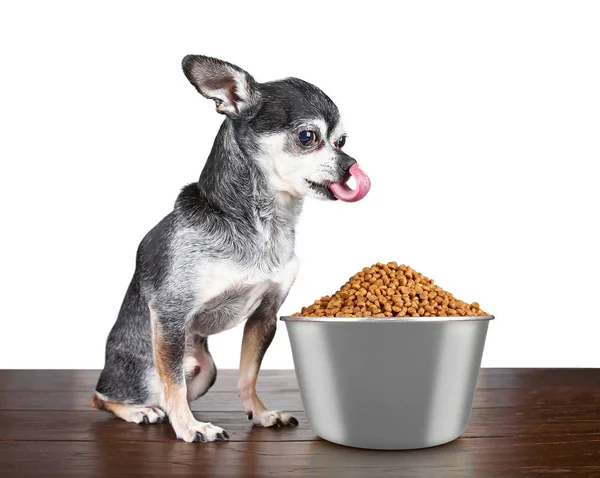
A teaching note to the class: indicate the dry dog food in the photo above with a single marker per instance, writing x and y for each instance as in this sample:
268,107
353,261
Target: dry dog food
390,290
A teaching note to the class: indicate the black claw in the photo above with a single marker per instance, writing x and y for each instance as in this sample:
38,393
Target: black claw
146,420
200,437
293,421
220,436
249,415
279,422
226,435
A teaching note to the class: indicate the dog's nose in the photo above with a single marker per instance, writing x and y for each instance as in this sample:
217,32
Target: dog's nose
346,161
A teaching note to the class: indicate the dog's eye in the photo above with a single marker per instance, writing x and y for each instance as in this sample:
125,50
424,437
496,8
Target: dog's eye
340,142
307,138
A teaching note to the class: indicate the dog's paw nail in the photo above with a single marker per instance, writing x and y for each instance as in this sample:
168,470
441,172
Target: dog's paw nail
293,421
200,437
249,415
220,436
226,435
279,422
146,420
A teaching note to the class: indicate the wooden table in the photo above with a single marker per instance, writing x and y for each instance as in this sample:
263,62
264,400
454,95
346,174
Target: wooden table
534,422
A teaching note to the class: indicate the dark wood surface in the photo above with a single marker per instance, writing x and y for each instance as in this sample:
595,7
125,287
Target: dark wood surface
525,422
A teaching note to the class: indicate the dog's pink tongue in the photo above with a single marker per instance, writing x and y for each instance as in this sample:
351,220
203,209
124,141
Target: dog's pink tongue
344,193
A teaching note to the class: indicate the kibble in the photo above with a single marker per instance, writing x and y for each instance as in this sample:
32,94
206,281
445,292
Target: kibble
390,290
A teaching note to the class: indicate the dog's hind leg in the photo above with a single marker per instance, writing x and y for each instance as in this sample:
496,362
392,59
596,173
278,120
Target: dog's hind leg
128,385
199,368
128,412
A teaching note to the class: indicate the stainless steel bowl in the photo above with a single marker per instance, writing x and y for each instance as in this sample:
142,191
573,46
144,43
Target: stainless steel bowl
388,384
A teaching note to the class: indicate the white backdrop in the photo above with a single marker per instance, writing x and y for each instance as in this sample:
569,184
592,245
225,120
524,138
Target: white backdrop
478,123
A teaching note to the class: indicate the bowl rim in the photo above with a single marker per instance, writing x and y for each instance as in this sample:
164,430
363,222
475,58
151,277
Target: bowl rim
387,320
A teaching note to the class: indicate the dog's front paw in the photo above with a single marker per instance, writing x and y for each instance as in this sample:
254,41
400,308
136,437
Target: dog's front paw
271,418
201,432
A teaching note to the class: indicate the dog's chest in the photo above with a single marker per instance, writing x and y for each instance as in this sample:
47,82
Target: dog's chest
227,294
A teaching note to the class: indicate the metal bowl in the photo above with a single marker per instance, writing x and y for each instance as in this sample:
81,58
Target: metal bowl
387,383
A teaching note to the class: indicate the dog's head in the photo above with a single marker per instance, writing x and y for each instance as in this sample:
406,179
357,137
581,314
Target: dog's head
290,127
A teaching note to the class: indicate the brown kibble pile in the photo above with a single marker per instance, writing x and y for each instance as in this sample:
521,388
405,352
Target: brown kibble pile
390,290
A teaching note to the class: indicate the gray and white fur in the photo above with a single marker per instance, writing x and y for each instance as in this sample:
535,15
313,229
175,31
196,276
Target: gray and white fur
225,253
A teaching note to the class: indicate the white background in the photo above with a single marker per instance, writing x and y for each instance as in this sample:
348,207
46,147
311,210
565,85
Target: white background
478,122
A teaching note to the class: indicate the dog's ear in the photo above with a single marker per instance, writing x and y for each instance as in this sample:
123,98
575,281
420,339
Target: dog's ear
234,90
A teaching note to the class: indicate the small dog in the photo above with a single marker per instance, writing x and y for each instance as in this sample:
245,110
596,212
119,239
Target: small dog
225,253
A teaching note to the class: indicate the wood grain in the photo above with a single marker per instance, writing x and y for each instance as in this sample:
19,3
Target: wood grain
525,422
497,457
281,380
101,426
290,400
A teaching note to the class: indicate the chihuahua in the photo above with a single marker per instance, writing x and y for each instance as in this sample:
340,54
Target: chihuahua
225,253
